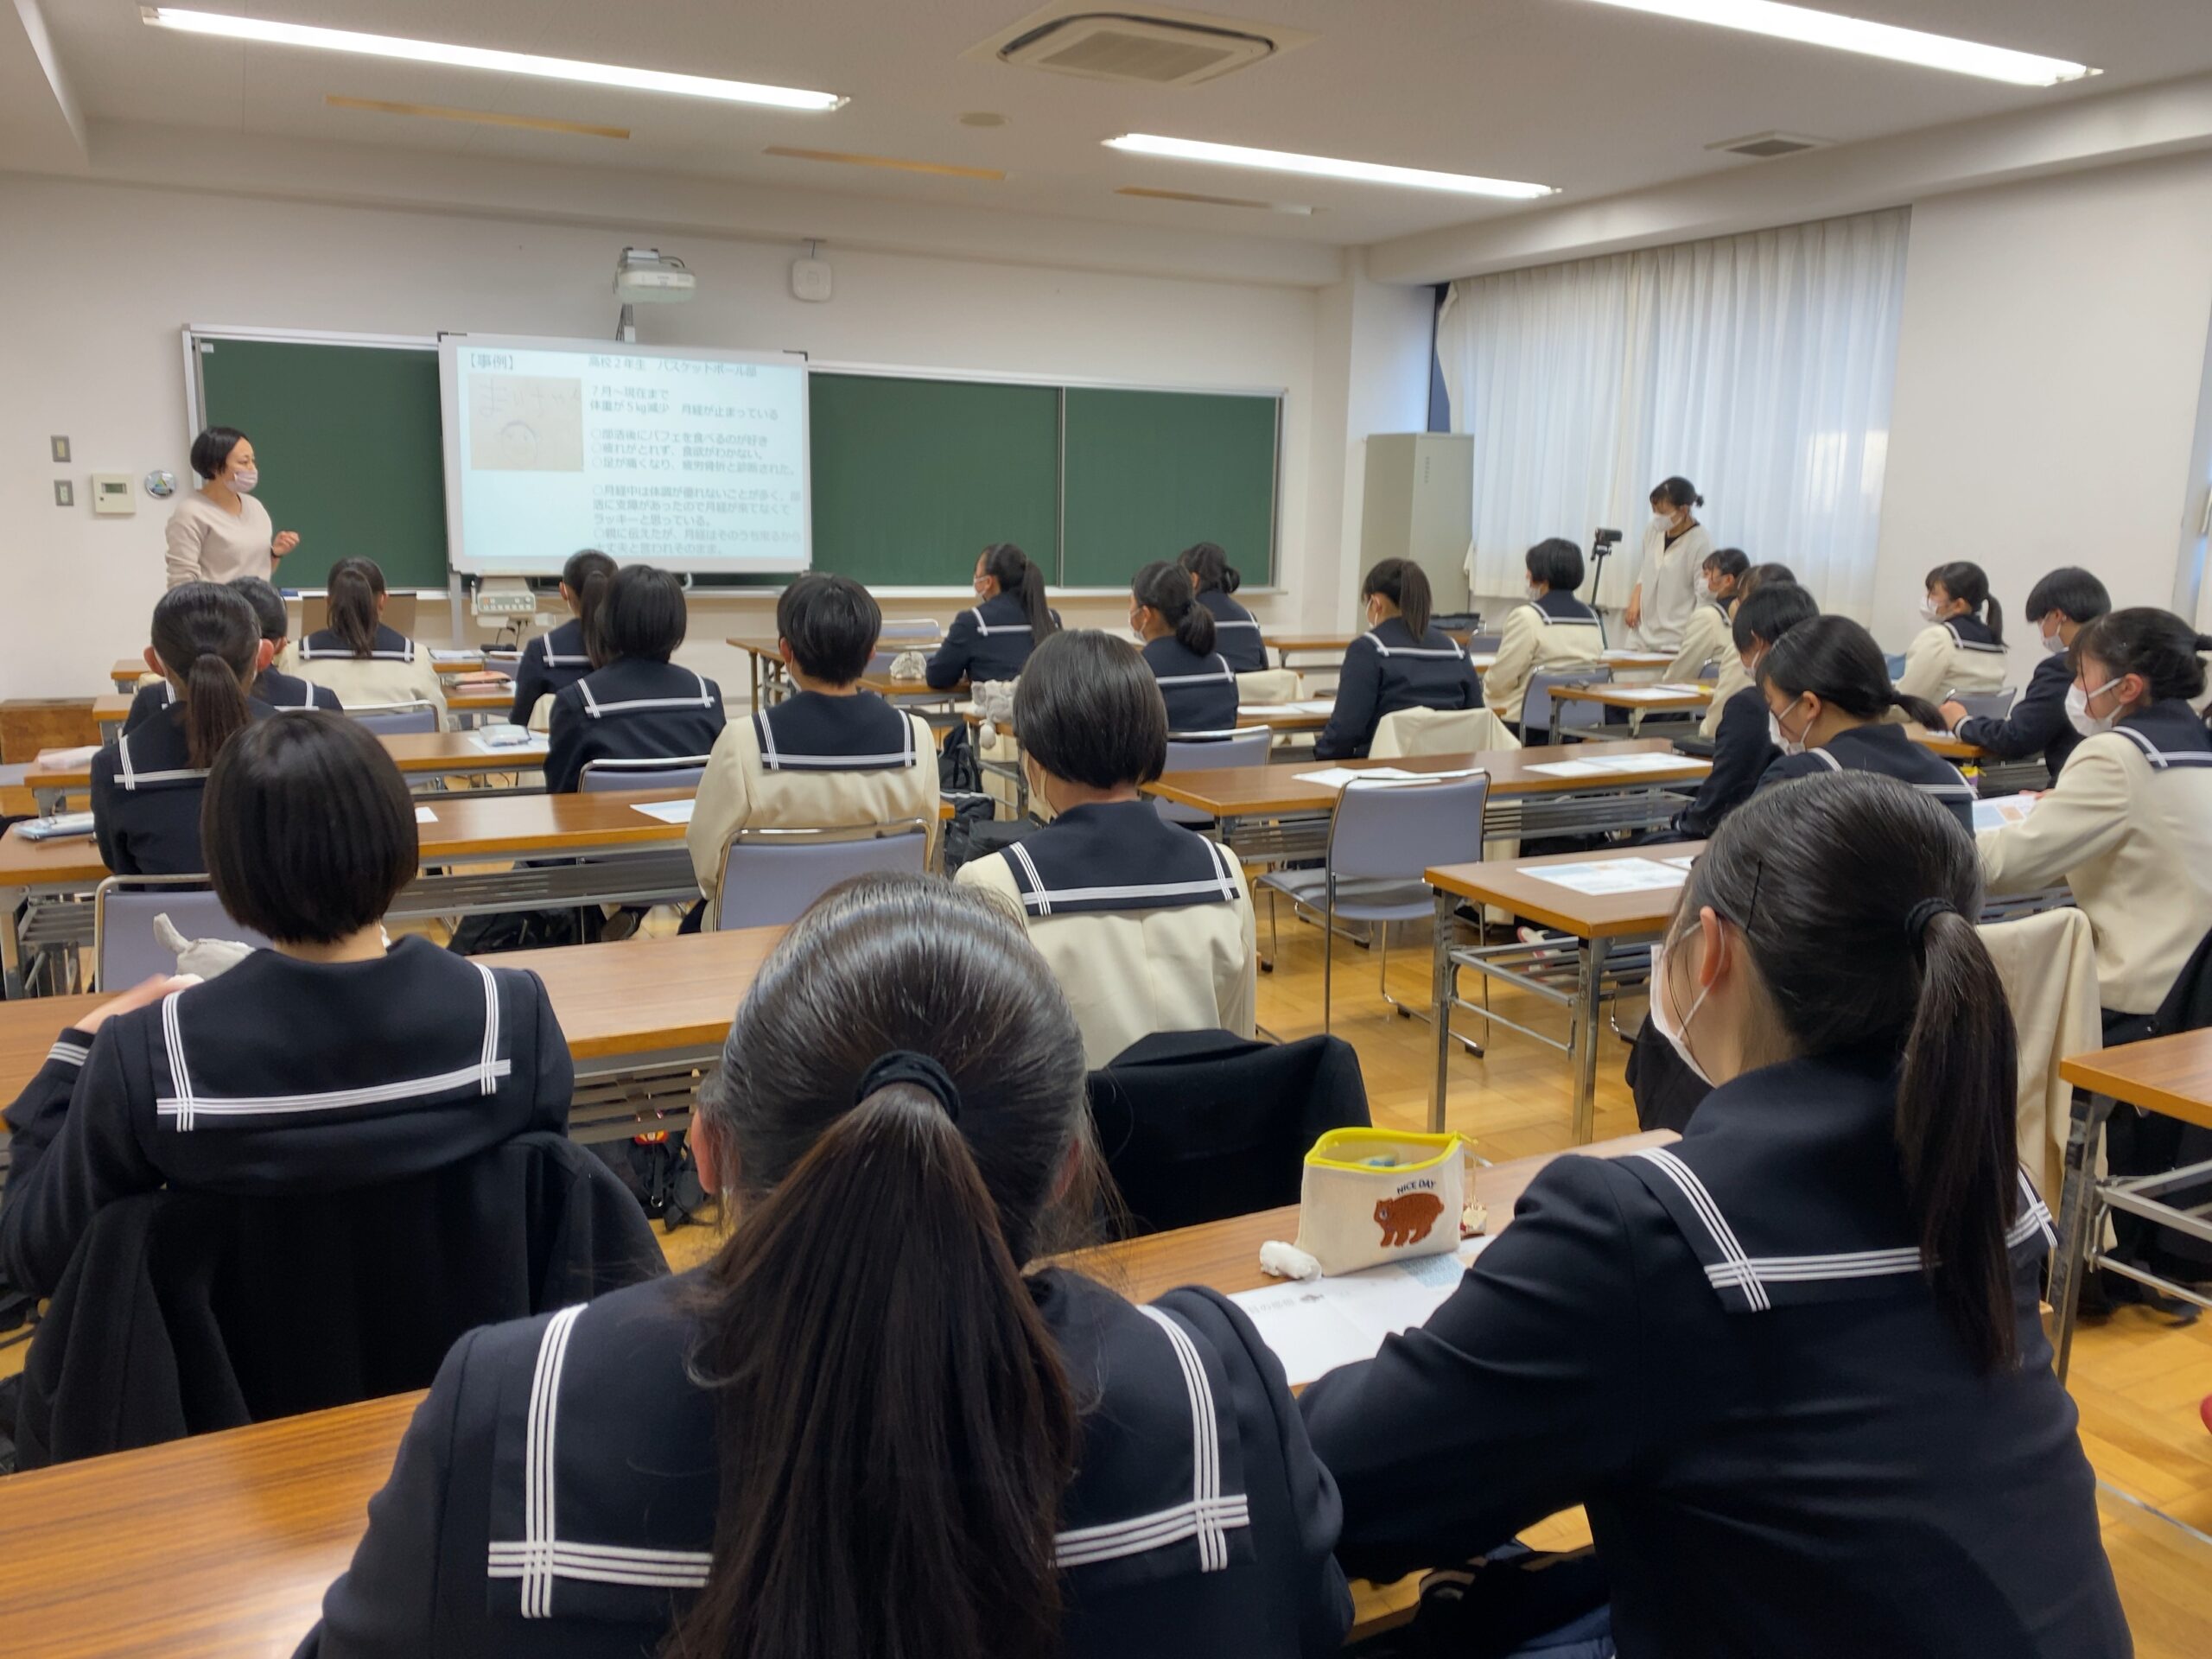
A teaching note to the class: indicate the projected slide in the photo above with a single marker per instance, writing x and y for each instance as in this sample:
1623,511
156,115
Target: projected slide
695,461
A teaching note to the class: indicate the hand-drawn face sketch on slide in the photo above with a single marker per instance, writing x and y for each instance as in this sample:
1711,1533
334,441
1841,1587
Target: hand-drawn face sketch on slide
526,424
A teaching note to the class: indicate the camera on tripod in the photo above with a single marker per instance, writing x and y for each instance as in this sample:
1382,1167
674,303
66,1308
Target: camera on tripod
1602,541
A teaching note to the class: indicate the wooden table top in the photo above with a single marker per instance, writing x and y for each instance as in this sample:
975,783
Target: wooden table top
1276,717
1942,743
421,752
1245,792
768,646
2170,1075
640,997
467,827
1633,697
220,1547
127,671
1637,660
1506,882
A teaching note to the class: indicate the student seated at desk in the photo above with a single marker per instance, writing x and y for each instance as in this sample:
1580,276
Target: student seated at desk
552,662
993,640
1149,926
863,1428
1554,630
2058,606
1962,647
1745,747
1829,696
635,704
1236,631
1196,680
1732,677
831,755
280,691
328,1056
1398,663
356,656
2128,824
147,787
1705,637
1792,1364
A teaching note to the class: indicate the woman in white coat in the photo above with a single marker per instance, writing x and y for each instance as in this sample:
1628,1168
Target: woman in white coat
1676,548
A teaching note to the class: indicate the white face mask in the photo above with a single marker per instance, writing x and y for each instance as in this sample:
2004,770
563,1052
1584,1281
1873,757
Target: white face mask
2054,642
244,479
2077,710
1675,1032
1932,610
1536,592
1781,739
1661,519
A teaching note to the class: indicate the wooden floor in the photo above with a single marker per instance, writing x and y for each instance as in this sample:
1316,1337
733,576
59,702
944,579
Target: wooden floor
2137,1378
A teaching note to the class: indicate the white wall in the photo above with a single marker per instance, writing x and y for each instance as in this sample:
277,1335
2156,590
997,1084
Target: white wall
2050,365
94,354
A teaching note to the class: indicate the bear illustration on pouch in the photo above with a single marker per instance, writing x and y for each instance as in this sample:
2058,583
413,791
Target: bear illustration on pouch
1407,1218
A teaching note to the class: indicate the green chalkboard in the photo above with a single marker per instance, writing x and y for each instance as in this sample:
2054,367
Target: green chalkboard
913,478
347,441
1149,473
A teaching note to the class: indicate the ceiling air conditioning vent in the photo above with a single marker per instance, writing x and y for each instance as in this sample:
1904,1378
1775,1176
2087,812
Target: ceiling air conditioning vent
1765,146
1150,50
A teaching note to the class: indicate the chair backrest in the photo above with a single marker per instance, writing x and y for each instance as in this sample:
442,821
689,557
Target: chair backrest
769,876
1536,706
672,772
124,948
1268,686
1990,705
1393,831
1438,731
395,719
1895,665
1479,644
910,628
1198,1126
2049,966
1246,748
1709,669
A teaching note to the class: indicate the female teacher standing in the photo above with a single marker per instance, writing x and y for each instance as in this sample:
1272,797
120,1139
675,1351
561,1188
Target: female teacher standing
1674,549
221,531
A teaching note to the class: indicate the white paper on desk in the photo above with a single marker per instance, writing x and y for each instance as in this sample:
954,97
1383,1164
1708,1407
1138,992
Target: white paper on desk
1314,705
437,656
667,811
62,759
1653,693
1613,875
1570,768
1643,762
1388,777
2005,810
1317,1324
60,825
423,814
1685,862
505,739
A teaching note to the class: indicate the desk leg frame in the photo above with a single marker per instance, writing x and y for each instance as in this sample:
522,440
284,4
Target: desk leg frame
2078,1212
1584,1037
1442,976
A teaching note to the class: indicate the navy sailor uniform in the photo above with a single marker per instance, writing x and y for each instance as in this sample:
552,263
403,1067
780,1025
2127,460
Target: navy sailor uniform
991,641
146,795
1947,658
813,761
1385,670
1148,926
1742,753
634,709
2036,723
2128,827
1200,691
281,1076
1554,633
282,692
394,670
555,1492
1727,1351
1883,746
1235,632
549,662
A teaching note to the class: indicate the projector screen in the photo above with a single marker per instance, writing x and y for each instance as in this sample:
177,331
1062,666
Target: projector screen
691,460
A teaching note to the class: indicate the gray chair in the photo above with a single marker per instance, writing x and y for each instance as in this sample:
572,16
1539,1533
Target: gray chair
124,950
1895,665
1479,644
1536,705
1246,748
397,719
678,772
1383,838
769,876
1990,705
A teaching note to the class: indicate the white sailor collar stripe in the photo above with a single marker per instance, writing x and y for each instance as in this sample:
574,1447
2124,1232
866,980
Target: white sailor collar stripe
1952,628
133,779
2163,759
597,710
69,1054
1410,651
1217,674
1039,898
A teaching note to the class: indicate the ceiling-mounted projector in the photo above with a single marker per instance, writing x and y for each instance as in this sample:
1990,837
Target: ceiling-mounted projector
648,277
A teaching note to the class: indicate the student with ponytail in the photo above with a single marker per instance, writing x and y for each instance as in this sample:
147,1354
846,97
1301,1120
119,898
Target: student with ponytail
1236,630
994,639
1400,662
146,790
1705,636
1733,677
1961,651
1791,1365
1828,701
1179,637
866,1427
366,664
552,661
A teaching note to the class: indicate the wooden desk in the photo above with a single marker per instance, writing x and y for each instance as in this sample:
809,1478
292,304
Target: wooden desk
127,671
1634,699
1597,922
418,754
220,1547
768,680
1275,716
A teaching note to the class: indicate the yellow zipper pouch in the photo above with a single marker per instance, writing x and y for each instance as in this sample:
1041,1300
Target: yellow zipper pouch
1371,1195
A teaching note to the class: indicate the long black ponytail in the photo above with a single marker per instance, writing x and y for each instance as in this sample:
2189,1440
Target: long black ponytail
2147,641
1166,588
1962,579
1209,562
209,637
1837,660
1016,574
1405,584
356,585
586,577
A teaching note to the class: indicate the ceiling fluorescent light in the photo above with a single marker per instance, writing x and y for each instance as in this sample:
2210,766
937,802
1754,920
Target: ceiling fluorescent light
1324,167
1874,40
477,57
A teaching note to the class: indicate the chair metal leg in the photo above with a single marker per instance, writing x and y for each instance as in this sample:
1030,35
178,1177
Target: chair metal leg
1275,938
2078,1213
1407,1010
1328,953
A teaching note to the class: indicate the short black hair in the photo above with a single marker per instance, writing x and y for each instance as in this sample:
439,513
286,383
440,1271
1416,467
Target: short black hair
1771,611
2072,592
308,828
211,448
832,624
1730,562
268,605
644,616
1558,562
1087,709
